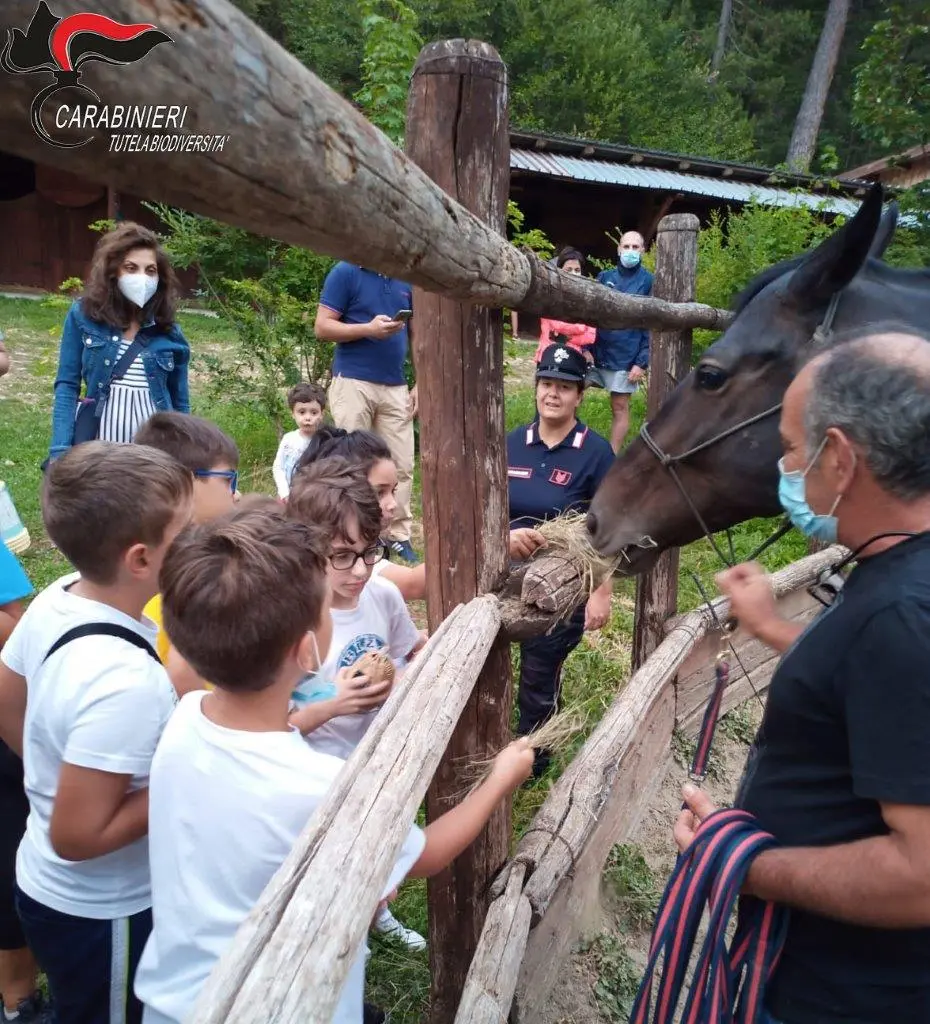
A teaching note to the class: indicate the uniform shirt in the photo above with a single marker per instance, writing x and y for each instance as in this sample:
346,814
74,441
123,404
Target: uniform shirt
847,726
98,702
628,347
358,296
543,482
225,809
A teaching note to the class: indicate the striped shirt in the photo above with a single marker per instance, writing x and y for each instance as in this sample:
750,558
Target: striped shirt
130,403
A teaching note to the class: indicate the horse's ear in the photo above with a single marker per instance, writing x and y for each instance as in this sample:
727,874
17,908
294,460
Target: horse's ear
836,261
885,233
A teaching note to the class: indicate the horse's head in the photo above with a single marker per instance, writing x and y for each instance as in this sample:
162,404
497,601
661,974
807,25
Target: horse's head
644,505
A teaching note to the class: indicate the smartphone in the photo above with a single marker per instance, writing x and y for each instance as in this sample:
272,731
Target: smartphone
403,315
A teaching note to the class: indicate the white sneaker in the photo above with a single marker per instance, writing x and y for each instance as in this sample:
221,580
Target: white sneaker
387,924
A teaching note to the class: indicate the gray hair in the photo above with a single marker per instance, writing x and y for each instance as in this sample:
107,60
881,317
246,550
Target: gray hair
880,403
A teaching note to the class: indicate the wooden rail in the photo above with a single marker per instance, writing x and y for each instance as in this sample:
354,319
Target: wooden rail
600,799
301,164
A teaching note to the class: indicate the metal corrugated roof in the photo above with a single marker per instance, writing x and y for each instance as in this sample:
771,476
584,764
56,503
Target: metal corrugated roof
604,172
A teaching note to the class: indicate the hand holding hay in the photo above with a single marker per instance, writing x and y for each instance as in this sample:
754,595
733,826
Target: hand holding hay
364,686
377,665
555,736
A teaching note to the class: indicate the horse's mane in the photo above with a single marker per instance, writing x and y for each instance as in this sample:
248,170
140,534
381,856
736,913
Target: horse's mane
756,285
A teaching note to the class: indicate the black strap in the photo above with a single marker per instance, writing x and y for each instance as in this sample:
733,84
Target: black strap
126,359
102,629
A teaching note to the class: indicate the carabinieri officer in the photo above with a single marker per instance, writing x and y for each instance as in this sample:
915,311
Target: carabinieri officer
554,465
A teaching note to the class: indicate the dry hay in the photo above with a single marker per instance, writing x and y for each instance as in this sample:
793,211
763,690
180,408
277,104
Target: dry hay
377,665
567,535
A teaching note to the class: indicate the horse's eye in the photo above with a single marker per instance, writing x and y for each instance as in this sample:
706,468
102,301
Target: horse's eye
711,378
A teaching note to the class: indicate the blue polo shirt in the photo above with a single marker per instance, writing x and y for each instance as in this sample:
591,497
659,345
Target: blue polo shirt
543,482
358,296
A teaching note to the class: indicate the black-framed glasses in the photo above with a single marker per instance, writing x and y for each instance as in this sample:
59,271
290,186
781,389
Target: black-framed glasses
347,559
232,475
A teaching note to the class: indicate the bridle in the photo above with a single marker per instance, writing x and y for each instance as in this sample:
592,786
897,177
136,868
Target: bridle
822,335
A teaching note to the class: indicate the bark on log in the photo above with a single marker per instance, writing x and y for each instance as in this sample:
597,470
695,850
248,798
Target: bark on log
290,957
300,164
669,361
457,132
492,977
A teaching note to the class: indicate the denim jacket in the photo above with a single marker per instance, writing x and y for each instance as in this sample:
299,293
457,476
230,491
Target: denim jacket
88,355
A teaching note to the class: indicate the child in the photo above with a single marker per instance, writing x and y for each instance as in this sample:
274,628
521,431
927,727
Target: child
371,454
333,709
213,458
84,698
233,784
306,402
22,1000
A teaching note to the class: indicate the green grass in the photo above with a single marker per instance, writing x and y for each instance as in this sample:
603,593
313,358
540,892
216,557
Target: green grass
398,980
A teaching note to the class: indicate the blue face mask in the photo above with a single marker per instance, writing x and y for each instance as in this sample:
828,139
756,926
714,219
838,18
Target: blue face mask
791,494
630,259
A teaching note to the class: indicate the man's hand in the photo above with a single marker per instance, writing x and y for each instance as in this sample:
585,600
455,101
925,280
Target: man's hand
382,326
752,603
588,356
689,820
597,610
636,374
413,402
524,543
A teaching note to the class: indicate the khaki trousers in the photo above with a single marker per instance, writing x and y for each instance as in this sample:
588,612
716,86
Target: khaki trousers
361,405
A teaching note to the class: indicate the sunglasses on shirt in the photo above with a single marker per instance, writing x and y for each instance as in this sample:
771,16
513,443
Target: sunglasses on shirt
232,475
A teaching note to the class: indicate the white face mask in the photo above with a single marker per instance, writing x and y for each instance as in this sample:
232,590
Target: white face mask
138,288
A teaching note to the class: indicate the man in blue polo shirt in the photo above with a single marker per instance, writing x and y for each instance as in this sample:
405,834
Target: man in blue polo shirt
621,356
359,312
554,465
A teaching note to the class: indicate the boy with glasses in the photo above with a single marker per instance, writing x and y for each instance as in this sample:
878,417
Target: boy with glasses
213,458
335,707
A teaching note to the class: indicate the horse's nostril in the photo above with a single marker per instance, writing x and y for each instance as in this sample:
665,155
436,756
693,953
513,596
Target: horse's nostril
591,523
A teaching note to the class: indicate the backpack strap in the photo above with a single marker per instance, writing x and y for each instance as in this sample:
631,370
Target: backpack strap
126,359
102,629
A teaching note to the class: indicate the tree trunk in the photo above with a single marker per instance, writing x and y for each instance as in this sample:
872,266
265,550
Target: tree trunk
723,29
807,126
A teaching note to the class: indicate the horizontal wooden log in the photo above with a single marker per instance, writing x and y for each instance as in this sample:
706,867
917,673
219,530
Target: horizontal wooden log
300,164
290,957
492,977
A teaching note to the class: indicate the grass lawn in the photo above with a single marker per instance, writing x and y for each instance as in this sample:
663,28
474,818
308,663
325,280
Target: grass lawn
593,675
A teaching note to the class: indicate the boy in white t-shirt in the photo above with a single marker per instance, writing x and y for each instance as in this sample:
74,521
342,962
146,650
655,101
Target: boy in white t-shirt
334,707
233,784
306,402
84,698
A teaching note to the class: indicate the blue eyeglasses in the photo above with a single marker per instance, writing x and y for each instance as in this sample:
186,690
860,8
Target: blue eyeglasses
232,475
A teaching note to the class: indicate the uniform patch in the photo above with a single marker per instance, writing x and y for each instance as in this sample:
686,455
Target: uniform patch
520,472
560,477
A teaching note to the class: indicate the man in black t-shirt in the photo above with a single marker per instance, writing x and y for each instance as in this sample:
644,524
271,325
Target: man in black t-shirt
840,769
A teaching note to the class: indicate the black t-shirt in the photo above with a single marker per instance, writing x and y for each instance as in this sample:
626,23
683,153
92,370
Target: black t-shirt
847,726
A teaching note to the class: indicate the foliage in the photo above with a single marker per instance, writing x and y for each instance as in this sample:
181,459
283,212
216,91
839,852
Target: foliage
527,238
268,291
391,47
891,99
635,884
618,977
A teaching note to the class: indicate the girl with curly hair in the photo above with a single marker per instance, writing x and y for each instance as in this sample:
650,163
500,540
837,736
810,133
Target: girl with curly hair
122,356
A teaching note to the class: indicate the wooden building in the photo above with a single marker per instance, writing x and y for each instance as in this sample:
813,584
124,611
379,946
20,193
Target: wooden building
899,171
574,189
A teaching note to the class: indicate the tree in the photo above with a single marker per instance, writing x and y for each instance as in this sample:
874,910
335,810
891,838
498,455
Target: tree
723,29
803,142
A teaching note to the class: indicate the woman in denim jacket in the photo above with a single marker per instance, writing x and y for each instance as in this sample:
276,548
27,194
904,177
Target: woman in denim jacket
130,290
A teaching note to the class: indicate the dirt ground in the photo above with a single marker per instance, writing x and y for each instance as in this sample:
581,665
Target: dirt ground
574,999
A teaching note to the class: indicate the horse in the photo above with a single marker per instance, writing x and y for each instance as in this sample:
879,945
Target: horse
708,460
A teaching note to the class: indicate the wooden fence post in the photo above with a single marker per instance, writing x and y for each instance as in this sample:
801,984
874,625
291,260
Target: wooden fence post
457,131
669,361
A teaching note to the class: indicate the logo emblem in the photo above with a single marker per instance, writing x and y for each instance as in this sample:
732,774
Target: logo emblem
560,355
561,477
356,648
61,46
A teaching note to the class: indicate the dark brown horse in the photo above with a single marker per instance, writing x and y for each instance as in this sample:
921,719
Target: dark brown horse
723,417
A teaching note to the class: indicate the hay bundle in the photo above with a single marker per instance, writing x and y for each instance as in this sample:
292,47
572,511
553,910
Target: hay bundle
377,665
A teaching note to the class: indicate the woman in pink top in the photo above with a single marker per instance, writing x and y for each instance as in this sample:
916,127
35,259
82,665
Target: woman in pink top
577,336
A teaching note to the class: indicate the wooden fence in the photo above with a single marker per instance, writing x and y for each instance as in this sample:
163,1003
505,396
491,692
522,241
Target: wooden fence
304,166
